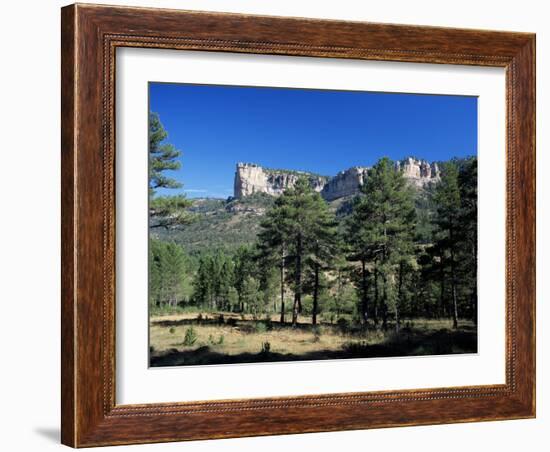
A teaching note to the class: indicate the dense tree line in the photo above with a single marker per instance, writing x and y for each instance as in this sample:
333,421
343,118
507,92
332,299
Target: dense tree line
397,255
168,272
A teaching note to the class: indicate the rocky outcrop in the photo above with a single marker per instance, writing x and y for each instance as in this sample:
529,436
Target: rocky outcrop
418,172
251,178
345,183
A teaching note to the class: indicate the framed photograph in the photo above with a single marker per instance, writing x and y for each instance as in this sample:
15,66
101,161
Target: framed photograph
281,225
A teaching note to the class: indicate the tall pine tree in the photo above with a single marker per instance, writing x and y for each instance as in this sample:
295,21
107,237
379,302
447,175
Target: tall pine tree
273,244
381,231
301,232
165,211
468,228
447,200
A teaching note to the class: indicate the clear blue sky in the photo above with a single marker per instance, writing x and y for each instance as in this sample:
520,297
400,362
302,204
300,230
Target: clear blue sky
323,131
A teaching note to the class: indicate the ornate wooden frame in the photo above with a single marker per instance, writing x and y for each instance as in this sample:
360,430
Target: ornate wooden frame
90,35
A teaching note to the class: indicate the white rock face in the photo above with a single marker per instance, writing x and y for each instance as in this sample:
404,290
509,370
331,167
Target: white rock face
251,178
345,183
418,172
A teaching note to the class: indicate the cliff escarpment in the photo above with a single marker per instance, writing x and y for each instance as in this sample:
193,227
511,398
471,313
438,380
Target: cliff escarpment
251,178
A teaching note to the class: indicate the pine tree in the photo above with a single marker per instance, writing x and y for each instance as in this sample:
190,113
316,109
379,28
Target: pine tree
447,199
468,228
155,275
362,231
225,285
173,271
232,299
381,231
203,284
298,232
244,267
165,210
167,272
252,296
273,244
322,247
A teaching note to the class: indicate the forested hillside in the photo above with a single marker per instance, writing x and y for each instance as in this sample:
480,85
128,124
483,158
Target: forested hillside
356,272
405,251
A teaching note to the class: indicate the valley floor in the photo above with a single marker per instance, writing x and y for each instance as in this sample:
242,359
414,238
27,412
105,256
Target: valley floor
227,338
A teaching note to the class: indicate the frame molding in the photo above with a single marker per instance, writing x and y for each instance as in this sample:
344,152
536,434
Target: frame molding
90,35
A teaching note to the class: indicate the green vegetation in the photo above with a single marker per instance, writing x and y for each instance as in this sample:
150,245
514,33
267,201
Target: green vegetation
190,337
381,233
164,211
299,235
244,340
307,174
388,273
217,223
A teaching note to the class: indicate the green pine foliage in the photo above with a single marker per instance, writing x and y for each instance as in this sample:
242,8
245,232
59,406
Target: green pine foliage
381,234
168,269
300,233
395,254
164,211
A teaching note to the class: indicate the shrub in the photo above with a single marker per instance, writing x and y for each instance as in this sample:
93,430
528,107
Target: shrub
260,327
268,323
190,337
343,324
172,330
316,333
266,347
221,339
356,347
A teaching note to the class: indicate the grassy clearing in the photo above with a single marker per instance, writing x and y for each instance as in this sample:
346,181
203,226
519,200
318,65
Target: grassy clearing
199,338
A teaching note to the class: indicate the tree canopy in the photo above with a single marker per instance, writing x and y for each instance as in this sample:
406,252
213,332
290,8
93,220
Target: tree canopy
369,266
164,211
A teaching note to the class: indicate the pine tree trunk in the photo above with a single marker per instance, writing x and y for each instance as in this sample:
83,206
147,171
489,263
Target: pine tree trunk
474,292
385,283
364,301
282,286
384,303
399,296
455,308
298,282
375,294
453,285
315,296
338,295
442,287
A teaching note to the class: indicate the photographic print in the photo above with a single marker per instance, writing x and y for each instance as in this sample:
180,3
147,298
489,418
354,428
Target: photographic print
292,224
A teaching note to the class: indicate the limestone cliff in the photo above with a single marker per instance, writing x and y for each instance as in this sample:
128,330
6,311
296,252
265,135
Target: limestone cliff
251,178
345,183
418,172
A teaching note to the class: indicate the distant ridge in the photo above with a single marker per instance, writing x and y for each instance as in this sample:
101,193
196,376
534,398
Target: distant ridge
252,178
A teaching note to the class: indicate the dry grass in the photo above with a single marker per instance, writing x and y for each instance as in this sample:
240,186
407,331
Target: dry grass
167,333
235,341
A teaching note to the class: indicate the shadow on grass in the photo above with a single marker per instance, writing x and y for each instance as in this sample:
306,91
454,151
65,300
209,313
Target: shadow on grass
245,326
406,343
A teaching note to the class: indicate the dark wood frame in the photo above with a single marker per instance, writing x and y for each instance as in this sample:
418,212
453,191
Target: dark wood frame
90,35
